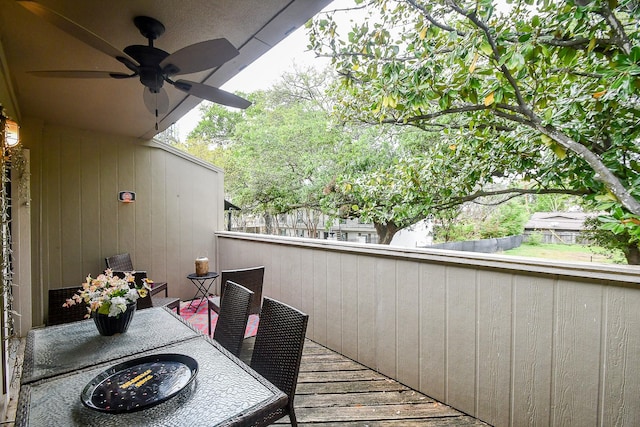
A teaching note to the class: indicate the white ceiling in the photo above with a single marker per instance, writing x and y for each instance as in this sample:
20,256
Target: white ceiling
28,43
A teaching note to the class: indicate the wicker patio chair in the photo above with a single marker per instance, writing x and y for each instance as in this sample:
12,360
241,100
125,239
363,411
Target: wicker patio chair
58,314
122,263
251,278
151,301
277,351
233,316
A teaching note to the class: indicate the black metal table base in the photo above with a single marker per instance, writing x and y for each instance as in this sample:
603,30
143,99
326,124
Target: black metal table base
203,285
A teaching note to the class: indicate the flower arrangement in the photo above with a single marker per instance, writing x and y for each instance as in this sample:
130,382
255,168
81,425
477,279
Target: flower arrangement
108,294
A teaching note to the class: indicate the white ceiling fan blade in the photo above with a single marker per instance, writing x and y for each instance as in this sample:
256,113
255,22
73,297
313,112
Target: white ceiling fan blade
156,103
78,74
199,57
212,94
72,28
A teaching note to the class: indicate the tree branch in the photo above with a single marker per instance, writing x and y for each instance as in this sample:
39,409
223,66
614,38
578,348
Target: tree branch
473,17
441,113
602,173
577,73
510,192
622,40
433,21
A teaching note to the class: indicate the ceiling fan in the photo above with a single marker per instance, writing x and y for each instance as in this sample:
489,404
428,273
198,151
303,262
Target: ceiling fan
151,65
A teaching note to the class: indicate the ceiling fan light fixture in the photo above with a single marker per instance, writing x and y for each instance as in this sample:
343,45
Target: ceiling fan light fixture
153,66
151,78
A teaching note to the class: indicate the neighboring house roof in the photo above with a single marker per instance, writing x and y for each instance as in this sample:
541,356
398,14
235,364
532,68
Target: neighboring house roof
570,221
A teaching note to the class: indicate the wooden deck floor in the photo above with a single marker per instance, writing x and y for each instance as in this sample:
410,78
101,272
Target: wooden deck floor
333,390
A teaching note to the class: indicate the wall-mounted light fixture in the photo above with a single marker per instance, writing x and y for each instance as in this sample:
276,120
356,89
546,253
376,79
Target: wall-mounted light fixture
127,196
9,131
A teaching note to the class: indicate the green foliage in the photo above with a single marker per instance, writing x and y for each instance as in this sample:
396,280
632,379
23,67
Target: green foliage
508,219
280,159
547,92
505,219
535,238
553,202
454,231
277,155
217,125
610,241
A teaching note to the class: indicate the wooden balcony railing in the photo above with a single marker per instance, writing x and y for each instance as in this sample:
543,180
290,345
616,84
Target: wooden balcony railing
511,341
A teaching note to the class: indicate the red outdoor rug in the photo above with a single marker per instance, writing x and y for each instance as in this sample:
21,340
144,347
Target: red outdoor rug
198,318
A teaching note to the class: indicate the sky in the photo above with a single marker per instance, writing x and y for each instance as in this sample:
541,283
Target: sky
268,69
264,72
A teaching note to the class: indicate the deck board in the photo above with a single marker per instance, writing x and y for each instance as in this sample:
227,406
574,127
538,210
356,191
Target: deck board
333,390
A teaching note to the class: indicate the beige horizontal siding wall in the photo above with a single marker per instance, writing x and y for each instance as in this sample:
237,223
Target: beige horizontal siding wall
512,341
77,219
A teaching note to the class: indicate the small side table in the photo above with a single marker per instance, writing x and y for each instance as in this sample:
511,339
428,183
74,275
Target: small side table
203,284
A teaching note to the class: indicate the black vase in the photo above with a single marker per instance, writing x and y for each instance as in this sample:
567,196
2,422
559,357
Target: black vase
111,325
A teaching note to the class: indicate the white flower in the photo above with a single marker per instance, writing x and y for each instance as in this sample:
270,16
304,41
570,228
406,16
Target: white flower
132,295
118,305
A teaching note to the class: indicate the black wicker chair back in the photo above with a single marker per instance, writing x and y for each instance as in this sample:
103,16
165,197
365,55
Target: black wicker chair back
120,262
233,316
278,349
58,314
251,278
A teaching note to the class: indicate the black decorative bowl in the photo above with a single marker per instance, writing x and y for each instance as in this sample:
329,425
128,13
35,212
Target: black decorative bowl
139,383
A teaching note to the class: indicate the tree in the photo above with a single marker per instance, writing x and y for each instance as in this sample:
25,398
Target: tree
610,241
213,133
395,178
279,154
561,80
389,176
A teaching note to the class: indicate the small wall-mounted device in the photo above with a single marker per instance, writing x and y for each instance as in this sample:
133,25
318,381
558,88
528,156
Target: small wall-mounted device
127,196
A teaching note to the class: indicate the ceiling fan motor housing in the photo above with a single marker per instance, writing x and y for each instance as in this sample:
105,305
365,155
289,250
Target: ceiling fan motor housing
149,58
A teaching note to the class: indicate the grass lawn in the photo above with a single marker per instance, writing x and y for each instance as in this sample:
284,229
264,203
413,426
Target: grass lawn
568,253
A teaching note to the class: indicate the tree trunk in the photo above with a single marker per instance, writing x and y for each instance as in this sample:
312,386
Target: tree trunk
268,223
633,255
386,232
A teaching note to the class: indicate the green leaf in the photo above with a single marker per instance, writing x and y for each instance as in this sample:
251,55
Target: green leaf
104,308
535,21
524,37
516,61
559,151
486,48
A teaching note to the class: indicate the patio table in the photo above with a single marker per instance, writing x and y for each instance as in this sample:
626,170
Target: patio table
59,349
225,392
